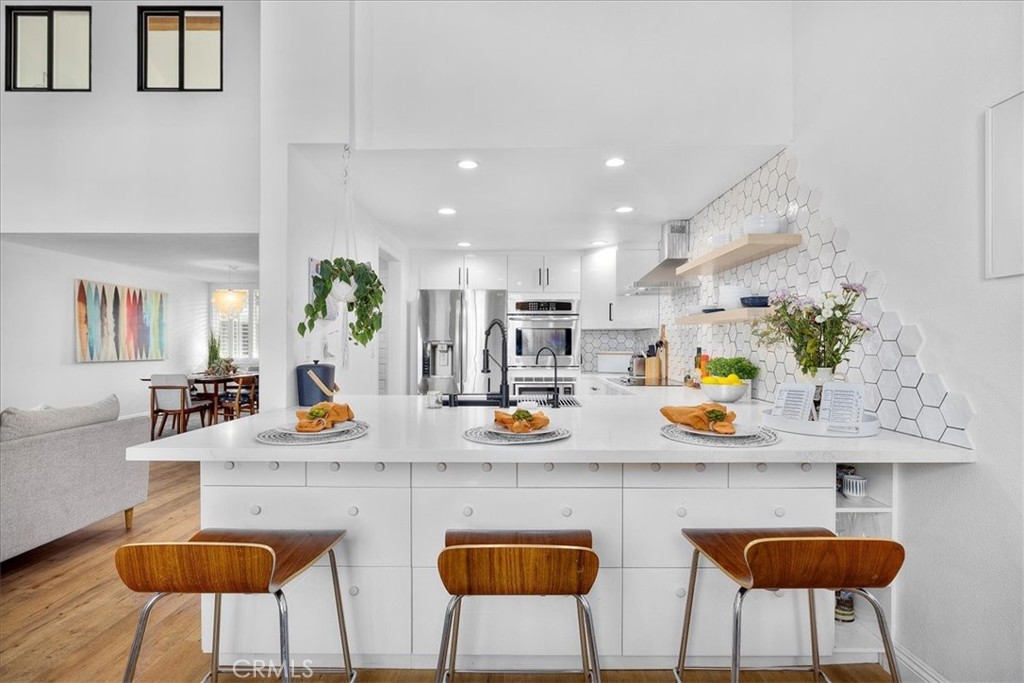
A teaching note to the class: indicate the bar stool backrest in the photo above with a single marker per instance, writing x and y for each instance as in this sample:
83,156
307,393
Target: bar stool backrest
196,567
828,562
517,569
575,537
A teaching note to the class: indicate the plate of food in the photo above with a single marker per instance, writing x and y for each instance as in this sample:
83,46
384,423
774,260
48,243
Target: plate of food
334,428
520,423
740,431
708,419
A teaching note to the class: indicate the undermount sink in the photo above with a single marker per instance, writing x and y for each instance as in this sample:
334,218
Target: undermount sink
478,401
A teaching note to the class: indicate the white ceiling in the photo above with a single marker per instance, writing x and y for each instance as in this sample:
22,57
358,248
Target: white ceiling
543,198
205,257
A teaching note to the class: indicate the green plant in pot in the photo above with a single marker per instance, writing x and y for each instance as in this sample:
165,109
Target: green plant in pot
357,286
212,350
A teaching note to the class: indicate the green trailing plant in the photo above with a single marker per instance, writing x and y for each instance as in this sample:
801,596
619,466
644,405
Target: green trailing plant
739,366
222,366
367,299
212,350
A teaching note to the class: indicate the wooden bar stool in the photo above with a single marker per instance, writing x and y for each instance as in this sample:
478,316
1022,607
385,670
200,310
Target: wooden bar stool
222,561
807,557
477,562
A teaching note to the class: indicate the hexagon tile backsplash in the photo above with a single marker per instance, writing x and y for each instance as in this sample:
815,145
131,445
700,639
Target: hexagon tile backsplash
905,397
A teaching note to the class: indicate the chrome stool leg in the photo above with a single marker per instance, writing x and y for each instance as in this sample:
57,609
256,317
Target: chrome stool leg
446,634
883,630
140,631
815,659
215,656
583,640
678,671
286,667
455,642
350,674
588,619
737,618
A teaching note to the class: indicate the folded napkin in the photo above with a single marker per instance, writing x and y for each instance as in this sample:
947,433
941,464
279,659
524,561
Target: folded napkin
323,416
703,417
519,423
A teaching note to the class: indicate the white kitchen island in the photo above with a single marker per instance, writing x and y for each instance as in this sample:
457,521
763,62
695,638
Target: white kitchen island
413,476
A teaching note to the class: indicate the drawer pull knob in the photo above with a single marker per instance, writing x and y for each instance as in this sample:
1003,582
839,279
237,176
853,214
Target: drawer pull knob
778,594
379,467
548,466
229,465
255,510
680,511
780,512
274,466
806,467
353,591
680,592
441,467
594,467
353,511
655,467
700,467
567,511
761,467
467,511
334,466
487,467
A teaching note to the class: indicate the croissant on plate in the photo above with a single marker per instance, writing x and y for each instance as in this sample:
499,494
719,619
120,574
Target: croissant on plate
522,425
697,417
323,415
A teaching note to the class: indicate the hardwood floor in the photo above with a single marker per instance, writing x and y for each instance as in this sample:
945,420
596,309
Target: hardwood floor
65,617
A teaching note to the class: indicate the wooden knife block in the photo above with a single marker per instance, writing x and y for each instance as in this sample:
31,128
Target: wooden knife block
652,369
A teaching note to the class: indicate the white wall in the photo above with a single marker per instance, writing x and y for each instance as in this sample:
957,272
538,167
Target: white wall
889,106
37,331
572,74
118,160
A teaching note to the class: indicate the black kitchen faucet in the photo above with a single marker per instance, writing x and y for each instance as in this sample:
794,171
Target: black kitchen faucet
486,368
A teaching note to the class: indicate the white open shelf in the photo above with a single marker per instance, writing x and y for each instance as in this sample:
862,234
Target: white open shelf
860,635
865,504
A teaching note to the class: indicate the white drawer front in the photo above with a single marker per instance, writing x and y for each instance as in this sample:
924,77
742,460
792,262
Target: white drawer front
653,519
559,474
676,475
503,625
273,473
437,510
357,474
377,520
474,474
773,624
377,605
787,475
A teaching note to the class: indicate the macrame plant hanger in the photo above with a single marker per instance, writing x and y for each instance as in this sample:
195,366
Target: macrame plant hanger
344,214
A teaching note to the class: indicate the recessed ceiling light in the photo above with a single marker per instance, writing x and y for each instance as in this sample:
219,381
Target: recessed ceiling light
463,244
448,211
614,162
598,243
621,209
468,164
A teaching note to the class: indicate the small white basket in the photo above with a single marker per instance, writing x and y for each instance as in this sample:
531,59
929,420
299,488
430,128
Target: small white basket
854,486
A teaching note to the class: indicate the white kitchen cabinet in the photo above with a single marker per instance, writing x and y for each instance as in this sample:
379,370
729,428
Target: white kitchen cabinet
552,272
457,270
601,306
242,473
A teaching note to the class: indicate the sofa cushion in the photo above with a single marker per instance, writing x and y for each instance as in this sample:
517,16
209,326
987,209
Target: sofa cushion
18,424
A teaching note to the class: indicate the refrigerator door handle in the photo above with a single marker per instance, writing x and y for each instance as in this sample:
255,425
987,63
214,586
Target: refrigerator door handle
540,278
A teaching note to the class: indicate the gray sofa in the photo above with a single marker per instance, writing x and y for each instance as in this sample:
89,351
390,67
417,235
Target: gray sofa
62,469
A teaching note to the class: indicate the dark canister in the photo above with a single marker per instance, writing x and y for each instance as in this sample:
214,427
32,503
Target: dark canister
310,392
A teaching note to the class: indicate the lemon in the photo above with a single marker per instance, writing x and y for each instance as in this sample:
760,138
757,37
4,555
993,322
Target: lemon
734,379
711,379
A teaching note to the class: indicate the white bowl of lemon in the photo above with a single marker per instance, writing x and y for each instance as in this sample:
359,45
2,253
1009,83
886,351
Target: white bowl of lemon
723,389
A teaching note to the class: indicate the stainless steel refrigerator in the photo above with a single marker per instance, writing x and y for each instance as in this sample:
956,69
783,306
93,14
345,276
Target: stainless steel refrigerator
450,337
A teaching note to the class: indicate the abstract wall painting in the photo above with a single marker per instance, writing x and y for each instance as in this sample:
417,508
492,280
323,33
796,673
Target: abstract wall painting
119,323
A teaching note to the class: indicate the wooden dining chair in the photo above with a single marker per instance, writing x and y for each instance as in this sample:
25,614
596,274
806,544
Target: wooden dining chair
170,395
804,558
517,562
222,561
238,399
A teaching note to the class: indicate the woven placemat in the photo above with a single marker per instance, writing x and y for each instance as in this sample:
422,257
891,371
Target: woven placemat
279,437
764,437
485,435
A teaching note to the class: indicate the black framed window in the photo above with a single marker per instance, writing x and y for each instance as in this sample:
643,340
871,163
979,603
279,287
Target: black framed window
181,48
49,48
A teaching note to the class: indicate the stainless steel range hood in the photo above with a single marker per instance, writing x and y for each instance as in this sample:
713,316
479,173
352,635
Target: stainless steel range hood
673,251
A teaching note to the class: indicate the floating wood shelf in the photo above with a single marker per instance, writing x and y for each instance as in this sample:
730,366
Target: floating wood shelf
732,315
743,250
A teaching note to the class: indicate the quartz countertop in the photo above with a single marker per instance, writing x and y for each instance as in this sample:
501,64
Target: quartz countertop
606,429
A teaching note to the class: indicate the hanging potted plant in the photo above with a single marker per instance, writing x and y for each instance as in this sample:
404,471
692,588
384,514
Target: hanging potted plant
354,284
